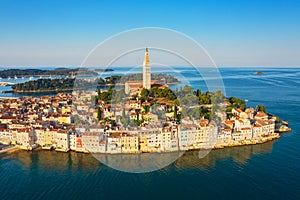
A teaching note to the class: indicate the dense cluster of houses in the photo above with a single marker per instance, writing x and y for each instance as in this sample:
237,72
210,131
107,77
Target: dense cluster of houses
48,122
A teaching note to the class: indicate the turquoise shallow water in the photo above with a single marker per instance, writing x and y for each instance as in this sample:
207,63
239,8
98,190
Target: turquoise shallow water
264,171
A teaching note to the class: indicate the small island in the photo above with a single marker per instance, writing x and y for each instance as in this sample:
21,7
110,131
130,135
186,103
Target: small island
258,73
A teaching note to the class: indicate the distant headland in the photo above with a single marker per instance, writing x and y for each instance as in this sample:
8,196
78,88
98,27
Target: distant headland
67,84
21,73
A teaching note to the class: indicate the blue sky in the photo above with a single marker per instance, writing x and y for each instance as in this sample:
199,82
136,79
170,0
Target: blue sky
234,32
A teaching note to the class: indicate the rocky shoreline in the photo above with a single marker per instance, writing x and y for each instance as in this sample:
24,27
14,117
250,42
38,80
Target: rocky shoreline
219,146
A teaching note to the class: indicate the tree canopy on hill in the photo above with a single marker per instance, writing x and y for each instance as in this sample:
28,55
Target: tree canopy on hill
42,72
55,84
130,77
45,84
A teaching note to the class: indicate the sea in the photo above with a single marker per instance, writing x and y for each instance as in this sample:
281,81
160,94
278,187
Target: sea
263,171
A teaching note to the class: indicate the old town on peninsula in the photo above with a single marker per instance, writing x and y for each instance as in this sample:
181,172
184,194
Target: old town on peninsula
146,116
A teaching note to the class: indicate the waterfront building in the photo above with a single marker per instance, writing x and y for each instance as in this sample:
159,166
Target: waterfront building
212,134
268,127
186,136
153,141
142,142
40,136
243,134
5,136
246,133
114,144
62,141
237,136
169,138
73,137
25,138
91,141
224,136
102,146
79,147
49,139
13,133
130,143
201,134
257,130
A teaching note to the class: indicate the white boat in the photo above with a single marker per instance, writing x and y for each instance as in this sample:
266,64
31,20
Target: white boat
16,77
8,78
31,77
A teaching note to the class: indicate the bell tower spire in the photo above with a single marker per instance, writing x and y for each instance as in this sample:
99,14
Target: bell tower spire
146,71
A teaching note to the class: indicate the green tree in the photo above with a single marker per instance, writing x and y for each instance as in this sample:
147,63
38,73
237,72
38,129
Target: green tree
198,92
217,97
144,93
99,114
176,102
204,99
237,103
176,115
146,109
124,118
183,111
261,108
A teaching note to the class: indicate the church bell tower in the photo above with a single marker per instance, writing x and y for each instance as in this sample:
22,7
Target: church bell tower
146,71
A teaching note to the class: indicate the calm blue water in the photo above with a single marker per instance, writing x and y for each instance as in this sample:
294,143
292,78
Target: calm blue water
265,171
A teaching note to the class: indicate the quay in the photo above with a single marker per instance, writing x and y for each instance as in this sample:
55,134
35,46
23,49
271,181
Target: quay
9,149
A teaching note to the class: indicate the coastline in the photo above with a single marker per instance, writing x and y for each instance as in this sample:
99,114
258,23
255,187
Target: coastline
42,91
66,90
219,146
8,150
